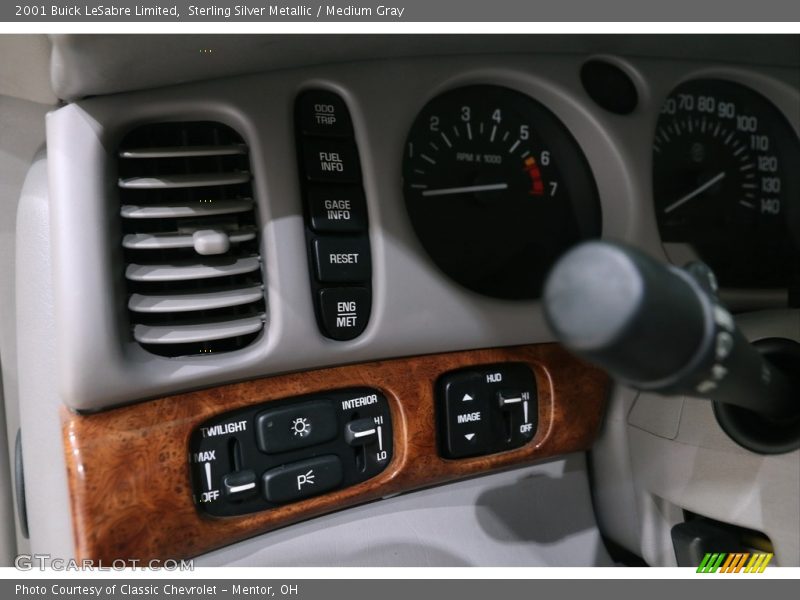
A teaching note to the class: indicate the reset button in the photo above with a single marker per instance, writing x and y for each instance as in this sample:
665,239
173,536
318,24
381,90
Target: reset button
342,260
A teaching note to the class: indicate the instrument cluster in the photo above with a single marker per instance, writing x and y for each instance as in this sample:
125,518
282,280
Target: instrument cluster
497,187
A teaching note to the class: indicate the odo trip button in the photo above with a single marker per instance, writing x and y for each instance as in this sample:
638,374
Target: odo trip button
344,312
331,161
323,113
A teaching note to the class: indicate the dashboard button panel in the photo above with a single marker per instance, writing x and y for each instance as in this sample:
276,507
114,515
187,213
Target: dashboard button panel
263,456
339,255
146,463
486,409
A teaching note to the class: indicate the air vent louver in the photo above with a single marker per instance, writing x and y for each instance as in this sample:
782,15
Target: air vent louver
190,239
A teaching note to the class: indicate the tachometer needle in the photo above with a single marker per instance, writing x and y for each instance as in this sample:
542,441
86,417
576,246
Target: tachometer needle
693,193
467,189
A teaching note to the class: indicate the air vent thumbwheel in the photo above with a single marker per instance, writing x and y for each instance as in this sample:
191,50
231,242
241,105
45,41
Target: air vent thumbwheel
190,239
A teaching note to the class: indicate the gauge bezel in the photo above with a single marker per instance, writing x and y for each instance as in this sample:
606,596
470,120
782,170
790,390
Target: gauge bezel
740,256
466,247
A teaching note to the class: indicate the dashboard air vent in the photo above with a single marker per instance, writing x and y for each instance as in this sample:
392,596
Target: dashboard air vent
190,239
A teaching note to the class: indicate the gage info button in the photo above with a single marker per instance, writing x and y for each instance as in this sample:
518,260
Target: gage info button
342,260
302,479
337,209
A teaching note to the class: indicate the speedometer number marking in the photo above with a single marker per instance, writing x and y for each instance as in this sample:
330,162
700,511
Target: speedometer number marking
720,185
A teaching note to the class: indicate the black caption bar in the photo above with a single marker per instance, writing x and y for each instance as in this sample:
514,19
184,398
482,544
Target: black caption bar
401,11
335,589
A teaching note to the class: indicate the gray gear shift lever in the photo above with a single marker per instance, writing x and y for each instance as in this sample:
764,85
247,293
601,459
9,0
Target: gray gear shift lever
659,328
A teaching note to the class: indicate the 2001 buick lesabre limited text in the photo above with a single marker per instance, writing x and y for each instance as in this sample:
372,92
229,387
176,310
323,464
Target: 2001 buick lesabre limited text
100,11
239,10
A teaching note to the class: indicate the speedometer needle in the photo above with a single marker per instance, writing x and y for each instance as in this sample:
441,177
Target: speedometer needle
694,193
465,190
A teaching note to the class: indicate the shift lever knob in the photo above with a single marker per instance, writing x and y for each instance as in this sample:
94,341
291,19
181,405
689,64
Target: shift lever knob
657,327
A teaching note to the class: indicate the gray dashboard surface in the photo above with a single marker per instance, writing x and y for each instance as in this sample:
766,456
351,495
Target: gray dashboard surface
416,309
21,135
26,75
85,65
536,517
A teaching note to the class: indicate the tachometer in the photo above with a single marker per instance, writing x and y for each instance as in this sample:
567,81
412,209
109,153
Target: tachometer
496,188
726,182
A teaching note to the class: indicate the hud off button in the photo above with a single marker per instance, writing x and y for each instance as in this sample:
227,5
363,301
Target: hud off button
344,312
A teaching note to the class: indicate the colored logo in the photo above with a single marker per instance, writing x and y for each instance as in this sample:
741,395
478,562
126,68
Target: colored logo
738,562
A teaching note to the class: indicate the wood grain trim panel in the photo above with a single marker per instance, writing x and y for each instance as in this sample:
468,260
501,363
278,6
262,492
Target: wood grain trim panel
128,469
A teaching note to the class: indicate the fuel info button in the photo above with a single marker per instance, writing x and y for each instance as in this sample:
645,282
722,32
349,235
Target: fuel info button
344,312
331,161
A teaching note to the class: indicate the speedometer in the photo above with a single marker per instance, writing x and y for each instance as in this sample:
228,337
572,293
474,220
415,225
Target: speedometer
726,182
496,188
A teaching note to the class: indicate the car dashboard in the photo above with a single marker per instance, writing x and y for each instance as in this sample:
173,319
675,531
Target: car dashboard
281,295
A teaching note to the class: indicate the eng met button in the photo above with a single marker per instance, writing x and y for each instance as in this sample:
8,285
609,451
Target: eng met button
344,311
